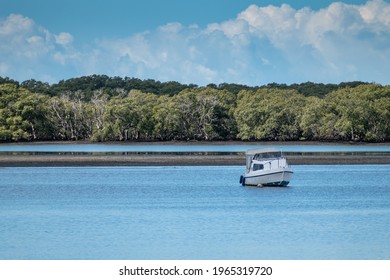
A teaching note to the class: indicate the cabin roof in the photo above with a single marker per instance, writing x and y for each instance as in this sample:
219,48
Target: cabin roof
259,151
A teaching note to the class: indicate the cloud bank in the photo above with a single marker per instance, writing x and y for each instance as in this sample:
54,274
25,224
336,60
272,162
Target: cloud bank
261,45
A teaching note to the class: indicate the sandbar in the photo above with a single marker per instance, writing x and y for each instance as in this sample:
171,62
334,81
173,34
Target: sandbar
178,160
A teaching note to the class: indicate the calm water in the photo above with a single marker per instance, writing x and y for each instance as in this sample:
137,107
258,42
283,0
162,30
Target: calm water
328,212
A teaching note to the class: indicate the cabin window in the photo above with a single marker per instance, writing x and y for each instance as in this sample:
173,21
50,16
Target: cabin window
257,166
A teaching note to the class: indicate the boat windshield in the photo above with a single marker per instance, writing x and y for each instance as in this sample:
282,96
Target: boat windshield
275,154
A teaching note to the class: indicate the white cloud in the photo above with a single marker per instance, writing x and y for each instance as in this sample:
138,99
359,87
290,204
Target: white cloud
262,44
341,42
64,38
173,27
376,12
14,24
28,50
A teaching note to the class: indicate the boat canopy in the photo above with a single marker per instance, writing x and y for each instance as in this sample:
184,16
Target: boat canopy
264,153
259,154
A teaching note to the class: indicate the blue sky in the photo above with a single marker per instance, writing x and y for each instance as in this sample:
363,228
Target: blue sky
250,42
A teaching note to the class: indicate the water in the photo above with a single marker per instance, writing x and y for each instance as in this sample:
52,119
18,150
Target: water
153,147
327,212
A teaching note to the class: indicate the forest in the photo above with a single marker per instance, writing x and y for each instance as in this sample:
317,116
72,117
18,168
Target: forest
102,108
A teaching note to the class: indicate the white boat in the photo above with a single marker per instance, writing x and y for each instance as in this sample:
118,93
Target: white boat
266,167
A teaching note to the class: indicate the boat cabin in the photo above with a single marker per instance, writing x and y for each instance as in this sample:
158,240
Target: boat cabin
264,159
269,164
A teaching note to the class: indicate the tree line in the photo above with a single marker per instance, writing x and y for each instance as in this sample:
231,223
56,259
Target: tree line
116,86
100,108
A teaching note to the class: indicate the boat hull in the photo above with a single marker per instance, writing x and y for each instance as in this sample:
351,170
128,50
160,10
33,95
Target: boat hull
277,177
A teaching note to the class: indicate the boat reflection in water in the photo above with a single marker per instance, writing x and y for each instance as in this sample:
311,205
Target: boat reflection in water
266,167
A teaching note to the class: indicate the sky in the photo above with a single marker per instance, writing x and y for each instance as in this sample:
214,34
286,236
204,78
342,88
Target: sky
252,42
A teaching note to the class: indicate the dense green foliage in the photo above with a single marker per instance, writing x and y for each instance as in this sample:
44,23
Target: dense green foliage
100,108
117,86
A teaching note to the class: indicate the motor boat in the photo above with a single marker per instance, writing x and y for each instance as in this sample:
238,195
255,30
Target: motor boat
266,167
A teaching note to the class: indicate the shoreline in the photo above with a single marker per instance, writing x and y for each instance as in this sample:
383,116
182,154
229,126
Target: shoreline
178,160
196,142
